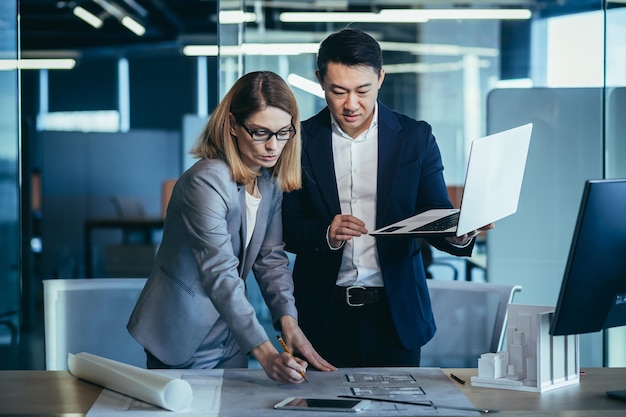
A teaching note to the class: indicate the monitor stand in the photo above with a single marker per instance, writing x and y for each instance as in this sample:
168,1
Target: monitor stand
618,395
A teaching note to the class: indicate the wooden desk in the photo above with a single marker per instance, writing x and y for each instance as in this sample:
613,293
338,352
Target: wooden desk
585,399
58,394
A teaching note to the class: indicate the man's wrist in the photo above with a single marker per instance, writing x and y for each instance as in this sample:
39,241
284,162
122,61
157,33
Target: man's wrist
328,241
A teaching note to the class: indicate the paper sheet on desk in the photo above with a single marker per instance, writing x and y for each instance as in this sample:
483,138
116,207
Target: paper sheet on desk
205,383
249,393
167,392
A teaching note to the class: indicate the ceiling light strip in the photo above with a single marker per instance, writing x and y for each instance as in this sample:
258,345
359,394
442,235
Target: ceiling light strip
236,16
305,84
133,25
267,49
88,17
273,49
123,17
30,64
334,17
405,15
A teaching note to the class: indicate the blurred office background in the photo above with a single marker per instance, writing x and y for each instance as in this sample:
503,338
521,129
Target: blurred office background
92,140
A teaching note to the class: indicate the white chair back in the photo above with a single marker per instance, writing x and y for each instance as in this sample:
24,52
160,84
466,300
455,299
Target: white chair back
90,315
471,320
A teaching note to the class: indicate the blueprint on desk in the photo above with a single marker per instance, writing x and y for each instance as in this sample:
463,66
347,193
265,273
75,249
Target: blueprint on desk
249,393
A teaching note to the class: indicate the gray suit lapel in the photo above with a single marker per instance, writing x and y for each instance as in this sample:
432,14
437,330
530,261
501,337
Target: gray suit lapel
265,188
243,230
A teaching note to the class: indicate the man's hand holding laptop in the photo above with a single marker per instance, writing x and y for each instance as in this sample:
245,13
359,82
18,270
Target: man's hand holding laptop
345,227
465,239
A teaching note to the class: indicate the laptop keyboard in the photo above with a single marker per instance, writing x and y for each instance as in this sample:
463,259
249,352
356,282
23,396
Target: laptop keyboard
443,223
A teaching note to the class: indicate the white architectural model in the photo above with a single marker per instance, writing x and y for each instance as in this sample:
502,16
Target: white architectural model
534,360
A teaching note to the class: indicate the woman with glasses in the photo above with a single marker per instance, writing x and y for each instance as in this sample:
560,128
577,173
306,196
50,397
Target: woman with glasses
223,220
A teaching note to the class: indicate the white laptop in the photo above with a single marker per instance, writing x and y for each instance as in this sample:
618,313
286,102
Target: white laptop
493,182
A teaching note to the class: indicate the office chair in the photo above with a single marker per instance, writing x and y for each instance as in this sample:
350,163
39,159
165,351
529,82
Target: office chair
90,315
430,262
471,320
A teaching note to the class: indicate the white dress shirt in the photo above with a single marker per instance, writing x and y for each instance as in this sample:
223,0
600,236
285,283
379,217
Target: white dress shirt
252,207
356,167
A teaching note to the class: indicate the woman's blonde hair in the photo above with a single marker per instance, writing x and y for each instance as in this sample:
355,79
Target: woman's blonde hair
251,93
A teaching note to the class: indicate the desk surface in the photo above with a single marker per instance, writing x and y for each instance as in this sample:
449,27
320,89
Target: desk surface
58,394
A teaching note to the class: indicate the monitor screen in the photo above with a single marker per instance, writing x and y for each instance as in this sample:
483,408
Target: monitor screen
593,290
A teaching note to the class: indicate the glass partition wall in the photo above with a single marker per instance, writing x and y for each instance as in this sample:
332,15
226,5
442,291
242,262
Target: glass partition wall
468,70
475,70
11,312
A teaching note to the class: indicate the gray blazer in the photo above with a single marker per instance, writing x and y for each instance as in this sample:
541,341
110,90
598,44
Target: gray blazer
199,273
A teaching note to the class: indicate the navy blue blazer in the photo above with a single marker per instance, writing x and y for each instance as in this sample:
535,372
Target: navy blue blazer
410,180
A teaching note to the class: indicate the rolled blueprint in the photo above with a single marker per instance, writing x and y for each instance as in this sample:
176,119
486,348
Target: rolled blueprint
166,392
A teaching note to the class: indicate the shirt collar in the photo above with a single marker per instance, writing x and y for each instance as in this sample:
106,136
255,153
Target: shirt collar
337,129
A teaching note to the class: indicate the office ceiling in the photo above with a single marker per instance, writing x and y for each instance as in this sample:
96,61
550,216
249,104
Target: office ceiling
51,25
47,25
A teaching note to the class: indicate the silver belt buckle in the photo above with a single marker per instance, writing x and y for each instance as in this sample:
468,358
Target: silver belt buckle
348,296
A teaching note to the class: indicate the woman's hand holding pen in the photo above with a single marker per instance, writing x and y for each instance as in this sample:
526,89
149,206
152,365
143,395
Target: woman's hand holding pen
281,367
284,367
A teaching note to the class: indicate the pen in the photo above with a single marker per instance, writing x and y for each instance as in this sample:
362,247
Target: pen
457,379
284,345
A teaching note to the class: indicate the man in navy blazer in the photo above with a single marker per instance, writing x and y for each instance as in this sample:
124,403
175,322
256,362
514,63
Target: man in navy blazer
363,301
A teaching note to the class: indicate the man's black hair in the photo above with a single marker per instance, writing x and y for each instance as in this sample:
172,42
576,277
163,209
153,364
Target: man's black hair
350,47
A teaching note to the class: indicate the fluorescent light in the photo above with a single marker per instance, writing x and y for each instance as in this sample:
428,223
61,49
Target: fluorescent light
437,49
267,49
273,49
200,50
236,16
456,14
121,15
87,17
80,121
305,84
29,64
132,25
423,68
334,17
404,15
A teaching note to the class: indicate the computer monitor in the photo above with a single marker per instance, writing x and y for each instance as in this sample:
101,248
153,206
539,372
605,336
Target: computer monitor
593,290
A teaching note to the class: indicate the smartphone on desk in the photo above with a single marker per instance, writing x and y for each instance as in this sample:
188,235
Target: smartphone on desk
322,404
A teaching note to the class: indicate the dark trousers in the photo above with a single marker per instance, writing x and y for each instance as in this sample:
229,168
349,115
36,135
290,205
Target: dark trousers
153,363
364,336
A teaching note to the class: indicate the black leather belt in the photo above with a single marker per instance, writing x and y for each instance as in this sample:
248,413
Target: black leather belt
357,296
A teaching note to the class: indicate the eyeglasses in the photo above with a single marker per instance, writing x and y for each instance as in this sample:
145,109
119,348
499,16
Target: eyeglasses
263,135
